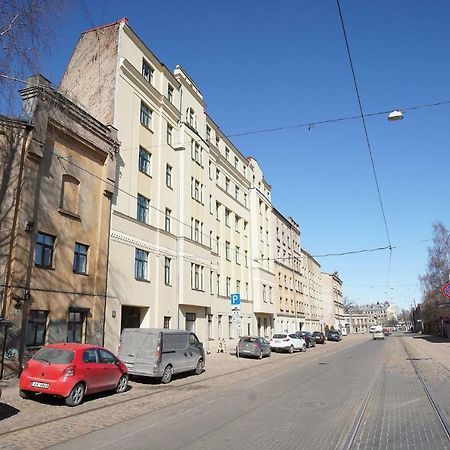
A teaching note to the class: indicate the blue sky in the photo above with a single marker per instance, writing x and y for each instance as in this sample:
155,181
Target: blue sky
272,64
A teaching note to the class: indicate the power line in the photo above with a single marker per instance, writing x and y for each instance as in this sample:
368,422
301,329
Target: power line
310,124
363,121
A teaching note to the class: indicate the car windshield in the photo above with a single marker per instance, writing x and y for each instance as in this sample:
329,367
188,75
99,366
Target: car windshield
54,355
249,339
279,336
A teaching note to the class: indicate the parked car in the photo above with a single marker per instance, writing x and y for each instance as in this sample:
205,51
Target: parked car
308,337
160,353
287,342
71,371
319,337
334,335
253,346
386,331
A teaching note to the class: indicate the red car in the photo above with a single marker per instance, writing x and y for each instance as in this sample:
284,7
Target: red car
71,371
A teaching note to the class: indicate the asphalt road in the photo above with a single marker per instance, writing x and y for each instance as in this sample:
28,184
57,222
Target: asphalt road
364,396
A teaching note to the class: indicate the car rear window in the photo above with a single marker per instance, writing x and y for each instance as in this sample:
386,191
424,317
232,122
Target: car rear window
279,336
54,355
249,339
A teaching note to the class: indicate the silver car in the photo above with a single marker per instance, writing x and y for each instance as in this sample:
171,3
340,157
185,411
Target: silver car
253,346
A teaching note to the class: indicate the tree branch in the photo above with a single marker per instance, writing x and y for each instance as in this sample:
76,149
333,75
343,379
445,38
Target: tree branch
11,23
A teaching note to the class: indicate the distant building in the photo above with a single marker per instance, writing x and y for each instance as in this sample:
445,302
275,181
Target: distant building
333,307
58,173
360,318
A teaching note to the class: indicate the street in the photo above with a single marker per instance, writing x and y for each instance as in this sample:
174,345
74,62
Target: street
358,393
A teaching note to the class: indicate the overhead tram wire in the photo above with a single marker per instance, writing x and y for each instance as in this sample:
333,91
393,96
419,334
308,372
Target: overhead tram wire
366,133
60,157
309,125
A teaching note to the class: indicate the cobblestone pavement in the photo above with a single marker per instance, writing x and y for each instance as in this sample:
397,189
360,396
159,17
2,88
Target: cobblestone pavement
358,392
399,414
103,410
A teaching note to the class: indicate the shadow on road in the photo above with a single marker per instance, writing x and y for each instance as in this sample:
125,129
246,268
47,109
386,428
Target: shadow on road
7,411
432,339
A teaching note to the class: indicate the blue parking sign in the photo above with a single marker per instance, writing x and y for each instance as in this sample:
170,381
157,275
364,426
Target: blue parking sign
235,299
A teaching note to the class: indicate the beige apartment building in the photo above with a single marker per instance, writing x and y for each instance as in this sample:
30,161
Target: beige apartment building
58,168
291,311
191,220
313,303
333,307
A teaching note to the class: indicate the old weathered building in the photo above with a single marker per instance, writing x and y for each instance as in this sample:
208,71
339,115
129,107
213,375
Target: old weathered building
57,180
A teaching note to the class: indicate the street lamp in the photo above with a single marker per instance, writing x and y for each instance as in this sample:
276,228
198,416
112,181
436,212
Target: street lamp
395,115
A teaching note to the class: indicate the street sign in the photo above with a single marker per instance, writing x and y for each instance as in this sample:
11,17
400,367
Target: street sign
235,299
446,290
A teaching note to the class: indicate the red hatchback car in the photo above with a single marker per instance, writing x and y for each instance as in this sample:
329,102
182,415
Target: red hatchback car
71,371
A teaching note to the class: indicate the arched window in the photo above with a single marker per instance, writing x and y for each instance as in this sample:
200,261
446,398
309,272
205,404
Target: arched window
70,193
190,117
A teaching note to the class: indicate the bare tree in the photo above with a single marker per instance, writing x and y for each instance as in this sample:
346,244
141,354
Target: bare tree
27,30
436,275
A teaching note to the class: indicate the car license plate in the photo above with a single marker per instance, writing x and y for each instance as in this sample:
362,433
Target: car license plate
129,365
39,385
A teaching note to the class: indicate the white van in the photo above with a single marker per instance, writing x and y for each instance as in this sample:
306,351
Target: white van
377,331
160,353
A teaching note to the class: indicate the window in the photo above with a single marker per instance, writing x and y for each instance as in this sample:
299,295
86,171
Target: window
238,286
218,284
144,161
208,133
236,162
167,220
147,71
211,283
197,277
227,184
167,262
190,322
143,209
227,250
218,206
146,115
104,357
196,190
218,245
90,356
238,259
245,227
168,175
170,93
264,293
246,290
246,258
76,325
169,134
217,175
227,217
196,230
190,117
228,287
80,258
43,253
70,194
227,153
270,294
141,265
245,199
236,192
196,152
210,204
236,223
166,322
230,327
37,328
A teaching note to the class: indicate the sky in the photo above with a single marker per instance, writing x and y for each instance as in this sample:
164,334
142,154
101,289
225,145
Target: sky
263,65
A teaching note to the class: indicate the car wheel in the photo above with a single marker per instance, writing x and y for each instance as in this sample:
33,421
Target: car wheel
26,394
291,349
76,395
167,375
199,367
122,384
304,348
